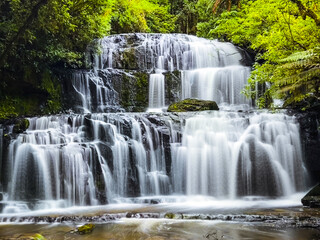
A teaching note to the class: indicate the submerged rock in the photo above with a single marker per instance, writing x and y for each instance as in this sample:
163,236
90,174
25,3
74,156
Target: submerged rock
190,104
312,198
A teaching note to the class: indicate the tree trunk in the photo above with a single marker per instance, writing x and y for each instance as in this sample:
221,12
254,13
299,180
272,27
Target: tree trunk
306,12
216,5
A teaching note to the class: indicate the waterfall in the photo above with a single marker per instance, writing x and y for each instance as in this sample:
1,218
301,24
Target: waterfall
68,160
86,160
229,155
222,85
156,91
210,70
97,157
96,94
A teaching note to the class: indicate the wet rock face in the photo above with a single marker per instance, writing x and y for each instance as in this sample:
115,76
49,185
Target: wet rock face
172,87
310,135
312,198
189,105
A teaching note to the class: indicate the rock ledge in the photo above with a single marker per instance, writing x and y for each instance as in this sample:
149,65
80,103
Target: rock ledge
190,104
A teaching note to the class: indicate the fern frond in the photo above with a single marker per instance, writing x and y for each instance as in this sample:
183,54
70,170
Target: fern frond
301,64
300,77
297,56
303,55
304,87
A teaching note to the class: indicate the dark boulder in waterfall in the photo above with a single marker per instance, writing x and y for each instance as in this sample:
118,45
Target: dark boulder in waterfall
189,105
21,125
312,198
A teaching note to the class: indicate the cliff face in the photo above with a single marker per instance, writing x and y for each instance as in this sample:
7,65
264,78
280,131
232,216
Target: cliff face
310,136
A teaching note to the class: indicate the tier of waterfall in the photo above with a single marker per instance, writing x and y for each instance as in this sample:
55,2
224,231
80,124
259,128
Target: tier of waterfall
209,70
63,161
85,160
227,155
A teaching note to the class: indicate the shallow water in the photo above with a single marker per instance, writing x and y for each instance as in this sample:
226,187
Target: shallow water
162,204
158,229
250,218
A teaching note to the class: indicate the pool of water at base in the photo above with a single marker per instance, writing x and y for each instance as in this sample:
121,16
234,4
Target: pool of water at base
160,229
132,221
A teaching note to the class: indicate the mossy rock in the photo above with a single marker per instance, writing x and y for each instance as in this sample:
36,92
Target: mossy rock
312,198
36,236
85,229
189,104
21,125
174,216
169,215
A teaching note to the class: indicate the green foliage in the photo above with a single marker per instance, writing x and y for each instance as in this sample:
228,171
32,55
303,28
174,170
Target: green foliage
37,36
7,110
53,88
187,17
298,77
44,31
141,16
14,106
286,37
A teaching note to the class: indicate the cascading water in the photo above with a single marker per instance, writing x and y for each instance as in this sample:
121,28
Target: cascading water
95,93
229,155
156,91
99,158
209,70
85,160
95,159
221,84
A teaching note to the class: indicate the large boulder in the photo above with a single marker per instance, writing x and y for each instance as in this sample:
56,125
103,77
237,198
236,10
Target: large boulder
21,125
189,104
312,198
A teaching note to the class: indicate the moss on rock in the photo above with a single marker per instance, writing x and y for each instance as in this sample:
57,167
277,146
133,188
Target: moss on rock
174,215
29,92
51,84
129,60
189,104
134,91
170,215
87,228
38,237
